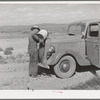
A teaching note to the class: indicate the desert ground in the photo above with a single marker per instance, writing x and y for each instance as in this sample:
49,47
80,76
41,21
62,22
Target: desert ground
14,71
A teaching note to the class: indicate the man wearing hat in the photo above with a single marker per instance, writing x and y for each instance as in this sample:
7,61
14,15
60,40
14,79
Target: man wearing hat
32,50
36,48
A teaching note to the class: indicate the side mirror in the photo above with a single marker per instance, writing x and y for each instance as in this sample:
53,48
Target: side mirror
83,35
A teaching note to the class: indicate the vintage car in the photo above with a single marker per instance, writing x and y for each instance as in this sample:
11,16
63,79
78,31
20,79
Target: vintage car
79,46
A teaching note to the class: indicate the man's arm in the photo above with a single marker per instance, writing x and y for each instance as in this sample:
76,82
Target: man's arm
36,38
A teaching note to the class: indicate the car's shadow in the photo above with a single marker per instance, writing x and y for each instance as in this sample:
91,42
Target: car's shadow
91,69
45,71
79,69
86,68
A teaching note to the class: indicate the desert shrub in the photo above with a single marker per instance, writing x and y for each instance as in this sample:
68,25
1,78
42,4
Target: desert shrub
9,48
20,58
1,49
7,52
10,59
2,60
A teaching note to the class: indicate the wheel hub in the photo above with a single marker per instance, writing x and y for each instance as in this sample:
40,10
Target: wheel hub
65,66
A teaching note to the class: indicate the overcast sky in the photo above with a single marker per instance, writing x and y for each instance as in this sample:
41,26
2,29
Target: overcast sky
27,14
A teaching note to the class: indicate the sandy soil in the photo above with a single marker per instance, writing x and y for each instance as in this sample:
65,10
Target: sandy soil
19,45
15,75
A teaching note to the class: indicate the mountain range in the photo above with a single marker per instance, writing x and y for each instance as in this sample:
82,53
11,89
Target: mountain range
25,29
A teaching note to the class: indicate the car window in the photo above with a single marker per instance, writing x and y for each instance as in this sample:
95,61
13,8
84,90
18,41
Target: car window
93,30
76,29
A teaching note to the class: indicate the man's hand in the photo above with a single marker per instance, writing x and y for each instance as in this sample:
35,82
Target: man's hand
41,41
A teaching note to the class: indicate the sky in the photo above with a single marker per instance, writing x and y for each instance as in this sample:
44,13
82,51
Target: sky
29,14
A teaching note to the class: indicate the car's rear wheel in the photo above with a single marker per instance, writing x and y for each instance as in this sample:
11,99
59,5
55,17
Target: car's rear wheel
66,67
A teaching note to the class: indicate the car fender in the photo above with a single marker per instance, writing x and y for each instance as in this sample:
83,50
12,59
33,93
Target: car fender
54,59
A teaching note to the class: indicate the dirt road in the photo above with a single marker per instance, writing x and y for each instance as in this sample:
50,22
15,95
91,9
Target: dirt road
15,76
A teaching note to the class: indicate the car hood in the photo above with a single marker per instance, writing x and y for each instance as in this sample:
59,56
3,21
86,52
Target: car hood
65,38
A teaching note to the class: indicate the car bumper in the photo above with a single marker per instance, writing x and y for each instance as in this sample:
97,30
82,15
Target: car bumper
43,65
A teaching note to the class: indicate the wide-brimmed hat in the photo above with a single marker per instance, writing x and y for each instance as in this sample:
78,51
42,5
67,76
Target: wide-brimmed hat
35,27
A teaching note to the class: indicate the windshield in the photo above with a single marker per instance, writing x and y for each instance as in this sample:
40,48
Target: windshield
76,29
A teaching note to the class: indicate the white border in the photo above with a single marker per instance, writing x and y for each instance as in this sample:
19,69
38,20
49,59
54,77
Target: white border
50,94
50,2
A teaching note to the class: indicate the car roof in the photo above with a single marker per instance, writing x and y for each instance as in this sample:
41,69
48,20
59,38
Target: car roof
87,21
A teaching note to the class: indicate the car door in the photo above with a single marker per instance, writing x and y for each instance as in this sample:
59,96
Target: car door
92,44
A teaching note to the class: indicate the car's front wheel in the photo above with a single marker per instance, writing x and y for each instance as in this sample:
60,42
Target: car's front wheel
66,67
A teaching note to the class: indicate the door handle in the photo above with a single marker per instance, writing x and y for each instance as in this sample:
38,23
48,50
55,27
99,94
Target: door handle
97,44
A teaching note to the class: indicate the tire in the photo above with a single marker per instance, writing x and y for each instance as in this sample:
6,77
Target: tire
66,67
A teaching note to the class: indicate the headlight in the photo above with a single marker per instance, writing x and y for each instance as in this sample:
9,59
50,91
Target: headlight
50,52
52,49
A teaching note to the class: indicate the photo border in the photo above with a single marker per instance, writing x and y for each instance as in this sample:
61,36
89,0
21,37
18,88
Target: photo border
50,94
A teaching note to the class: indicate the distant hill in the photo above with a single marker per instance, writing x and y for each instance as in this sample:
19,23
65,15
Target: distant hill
25,29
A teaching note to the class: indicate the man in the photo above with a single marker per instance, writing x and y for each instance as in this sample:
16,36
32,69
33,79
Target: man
36,48
32,50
